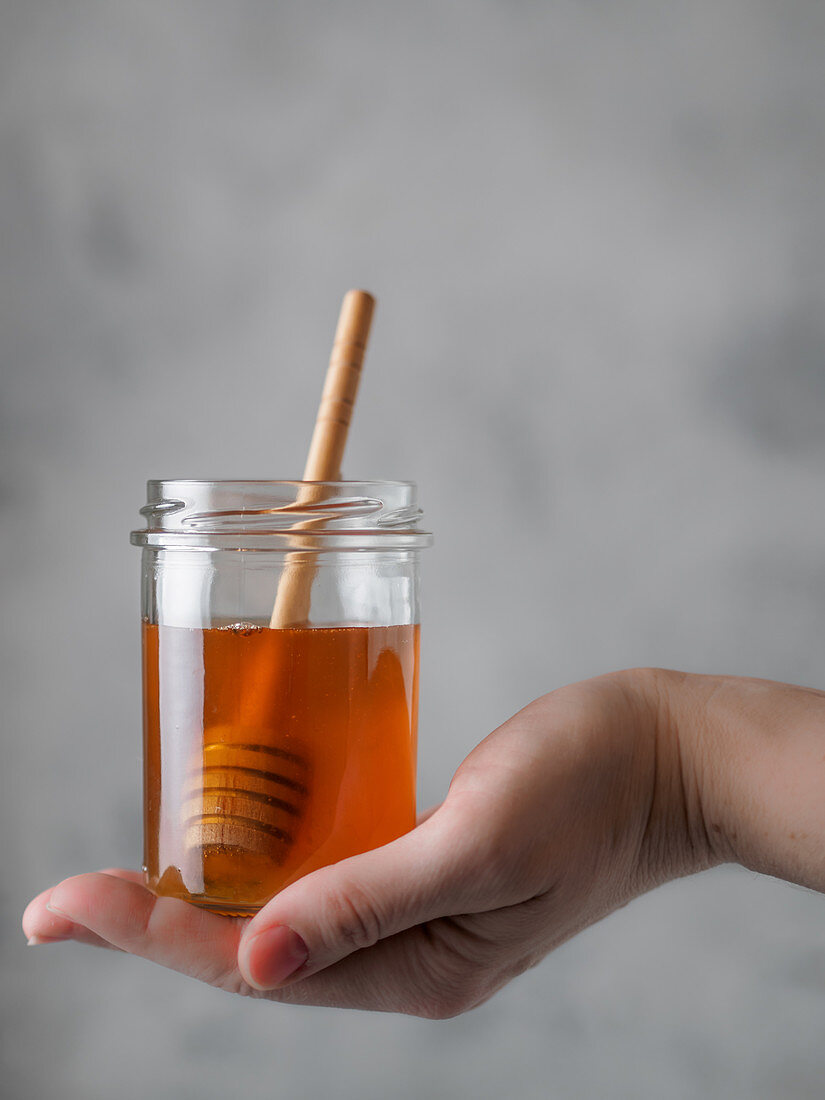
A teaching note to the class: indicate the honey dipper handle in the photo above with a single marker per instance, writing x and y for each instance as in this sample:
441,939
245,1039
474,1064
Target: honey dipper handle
326,448
340,387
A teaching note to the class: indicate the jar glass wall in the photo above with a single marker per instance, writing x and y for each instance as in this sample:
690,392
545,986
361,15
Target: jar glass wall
280,681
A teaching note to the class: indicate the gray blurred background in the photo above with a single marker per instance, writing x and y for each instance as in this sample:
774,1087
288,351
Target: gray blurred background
596,233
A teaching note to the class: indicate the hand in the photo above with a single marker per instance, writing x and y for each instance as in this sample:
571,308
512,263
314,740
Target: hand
542,833
586,798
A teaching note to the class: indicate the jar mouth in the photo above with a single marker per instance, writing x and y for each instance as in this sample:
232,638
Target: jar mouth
258,514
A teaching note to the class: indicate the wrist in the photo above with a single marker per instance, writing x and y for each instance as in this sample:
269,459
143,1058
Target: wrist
752,756
647,782
675,839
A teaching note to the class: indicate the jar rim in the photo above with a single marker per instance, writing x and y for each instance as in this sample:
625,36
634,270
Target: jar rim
281,515
272,481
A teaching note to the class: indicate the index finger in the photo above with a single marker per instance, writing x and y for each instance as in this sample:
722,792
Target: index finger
41,925
167,931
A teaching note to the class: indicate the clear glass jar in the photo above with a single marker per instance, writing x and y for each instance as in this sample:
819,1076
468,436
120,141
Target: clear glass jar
280,680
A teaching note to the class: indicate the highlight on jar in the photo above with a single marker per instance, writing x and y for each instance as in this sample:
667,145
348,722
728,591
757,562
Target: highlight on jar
280,665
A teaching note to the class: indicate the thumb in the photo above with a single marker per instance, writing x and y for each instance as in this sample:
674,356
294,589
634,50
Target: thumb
320,919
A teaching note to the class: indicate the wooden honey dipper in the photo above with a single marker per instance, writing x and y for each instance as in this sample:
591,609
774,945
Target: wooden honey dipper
244,795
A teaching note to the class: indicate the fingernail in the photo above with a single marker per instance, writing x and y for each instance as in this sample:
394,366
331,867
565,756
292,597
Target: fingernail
57,912
274,955
33,941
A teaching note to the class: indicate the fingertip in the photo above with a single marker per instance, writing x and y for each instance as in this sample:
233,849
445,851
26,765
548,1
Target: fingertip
38,921
61,896
29,914
41,924
71,897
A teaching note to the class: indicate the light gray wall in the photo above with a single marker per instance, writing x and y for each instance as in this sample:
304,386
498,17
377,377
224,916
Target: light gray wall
596,233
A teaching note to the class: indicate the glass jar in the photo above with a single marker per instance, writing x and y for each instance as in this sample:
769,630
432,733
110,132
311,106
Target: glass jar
280,680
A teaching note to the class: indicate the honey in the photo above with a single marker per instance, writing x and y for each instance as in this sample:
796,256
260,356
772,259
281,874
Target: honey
269,753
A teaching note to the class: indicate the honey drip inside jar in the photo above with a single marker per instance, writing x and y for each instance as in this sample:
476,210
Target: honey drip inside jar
242,799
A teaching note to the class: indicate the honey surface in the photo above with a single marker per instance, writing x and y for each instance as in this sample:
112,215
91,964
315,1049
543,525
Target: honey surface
269,753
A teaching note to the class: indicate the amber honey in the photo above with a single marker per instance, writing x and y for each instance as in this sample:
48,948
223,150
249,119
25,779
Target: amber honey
271,752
